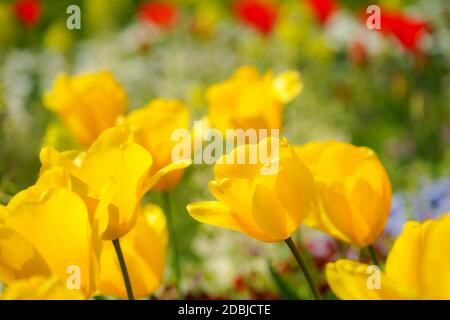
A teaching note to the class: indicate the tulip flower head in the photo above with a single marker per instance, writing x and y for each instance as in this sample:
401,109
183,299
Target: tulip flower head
47,232
417,267
249,100
87,103
266,207
114,166
353,196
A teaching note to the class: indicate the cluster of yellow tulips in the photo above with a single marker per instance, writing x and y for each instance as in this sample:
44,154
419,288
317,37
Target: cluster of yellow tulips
57,228
82,230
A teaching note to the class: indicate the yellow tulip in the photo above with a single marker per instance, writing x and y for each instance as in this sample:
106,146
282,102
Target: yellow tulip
40,288
268,207
144,249
250,100
47,231
87,103
417,267
353,196
116,165
152,126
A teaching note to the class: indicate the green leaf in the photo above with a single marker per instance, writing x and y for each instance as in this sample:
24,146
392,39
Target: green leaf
284,288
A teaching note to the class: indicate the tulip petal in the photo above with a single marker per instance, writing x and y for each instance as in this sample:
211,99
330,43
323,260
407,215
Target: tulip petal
406,252
127,165
351,280
419,258
18,258
40,288
311,152
317,218
58,228
294,187
54,177
341,213
51,158
151,180
287,86
435,262
339,161
270,215
214,213
110,138
234,193
237,164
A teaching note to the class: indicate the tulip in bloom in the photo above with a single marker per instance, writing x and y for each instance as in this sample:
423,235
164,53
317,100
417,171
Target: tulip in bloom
116,167
144,248
259,14
87,103
266,207
250,100
46,231
153,126
353,197
417,267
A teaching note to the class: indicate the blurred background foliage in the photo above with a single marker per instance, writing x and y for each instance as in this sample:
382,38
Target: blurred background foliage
363,86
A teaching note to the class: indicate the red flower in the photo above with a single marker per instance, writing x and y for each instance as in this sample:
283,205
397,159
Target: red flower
323,9
261,15
28,12
409,31
160,13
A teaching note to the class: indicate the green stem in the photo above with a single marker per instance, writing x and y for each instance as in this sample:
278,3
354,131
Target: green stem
373,255
123,268
173,242
303,267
